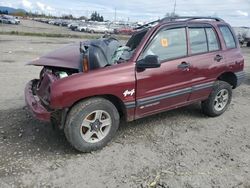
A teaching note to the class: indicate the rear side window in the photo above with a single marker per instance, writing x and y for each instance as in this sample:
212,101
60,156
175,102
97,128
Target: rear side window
168,44
228,37
212,40
198,40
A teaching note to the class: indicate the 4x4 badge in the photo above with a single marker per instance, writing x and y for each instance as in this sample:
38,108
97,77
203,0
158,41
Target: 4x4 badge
127,92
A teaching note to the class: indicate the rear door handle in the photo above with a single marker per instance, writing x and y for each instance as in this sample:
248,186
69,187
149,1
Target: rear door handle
218,58
184,65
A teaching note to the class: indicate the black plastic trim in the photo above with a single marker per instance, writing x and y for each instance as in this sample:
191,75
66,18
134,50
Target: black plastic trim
130,105
156,98
152,99
240,77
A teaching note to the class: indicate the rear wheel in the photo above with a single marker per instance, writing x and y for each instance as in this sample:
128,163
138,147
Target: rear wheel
218,100
91,124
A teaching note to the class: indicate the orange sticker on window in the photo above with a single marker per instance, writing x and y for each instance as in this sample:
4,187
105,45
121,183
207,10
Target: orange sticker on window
164,42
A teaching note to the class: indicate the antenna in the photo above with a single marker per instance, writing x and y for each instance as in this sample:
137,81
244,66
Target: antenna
174,7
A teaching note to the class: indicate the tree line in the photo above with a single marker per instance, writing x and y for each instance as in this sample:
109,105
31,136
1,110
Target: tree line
95,16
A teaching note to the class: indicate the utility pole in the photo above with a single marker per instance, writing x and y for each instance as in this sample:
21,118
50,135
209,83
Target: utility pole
115,14
174,7
87,14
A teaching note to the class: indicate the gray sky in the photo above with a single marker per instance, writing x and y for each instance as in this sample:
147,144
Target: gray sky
236,12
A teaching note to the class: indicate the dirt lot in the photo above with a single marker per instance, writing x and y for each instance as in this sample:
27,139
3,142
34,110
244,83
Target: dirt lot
179,148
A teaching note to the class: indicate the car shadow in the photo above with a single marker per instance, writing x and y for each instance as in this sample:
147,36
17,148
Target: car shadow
191,111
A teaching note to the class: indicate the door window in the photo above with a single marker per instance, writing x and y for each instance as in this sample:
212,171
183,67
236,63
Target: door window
213,44
228,37
198,40
168,44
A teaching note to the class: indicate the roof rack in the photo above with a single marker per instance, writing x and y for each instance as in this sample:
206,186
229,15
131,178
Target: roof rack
185,18
147,24
189,18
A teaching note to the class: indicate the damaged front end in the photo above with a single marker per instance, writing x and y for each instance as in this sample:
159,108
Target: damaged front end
68,61
63,63
38,92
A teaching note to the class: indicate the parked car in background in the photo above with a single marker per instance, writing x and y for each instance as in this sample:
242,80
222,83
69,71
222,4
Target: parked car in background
99,29
9,19
125,31
52,22
73,26
65,23
243,34
4,20
82,28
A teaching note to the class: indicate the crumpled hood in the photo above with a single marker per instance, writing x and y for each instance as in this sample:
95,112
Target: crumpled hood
66,57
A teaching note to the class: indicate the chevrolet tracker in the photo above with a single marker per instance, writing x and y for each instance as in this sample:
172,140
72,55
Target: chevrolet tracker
86,89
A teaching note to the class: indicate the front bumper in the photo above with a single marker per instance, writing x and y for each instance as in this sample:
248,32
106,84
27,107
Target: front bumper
34,104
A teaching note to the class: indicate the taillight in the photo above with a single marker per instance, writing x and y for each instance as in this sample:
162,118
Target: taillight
85,64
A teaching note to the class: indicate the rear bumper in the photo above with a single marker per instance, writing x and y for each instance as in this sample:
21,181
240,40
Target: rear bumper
240,77
34,104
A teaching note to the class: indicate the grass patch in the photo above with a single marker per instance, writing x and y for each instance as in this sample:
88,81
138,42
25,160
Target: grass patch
59,35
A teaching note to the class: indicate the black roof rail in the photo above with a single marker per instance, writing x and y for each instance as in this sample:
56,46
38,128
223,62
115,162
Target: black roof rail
147,24
189,18
185,18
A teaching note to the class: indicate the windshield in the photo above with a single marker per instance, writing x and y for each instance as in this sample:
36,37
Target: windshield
136,38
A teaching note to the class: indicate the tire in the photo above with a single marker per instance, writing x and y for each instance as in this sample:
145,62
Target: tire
87,118
248,44
217,104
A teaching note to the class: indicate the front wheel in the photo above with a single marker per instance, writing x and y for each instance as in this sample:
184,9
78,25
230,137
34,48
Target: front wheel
91,124
218,100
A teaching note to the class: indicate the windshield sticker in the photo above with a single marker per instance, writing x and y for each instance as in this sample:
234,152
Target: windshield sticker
164,43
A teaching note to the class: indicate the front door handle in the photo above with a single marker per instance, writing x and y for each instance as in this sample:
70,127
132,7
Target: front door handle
184,65
218,58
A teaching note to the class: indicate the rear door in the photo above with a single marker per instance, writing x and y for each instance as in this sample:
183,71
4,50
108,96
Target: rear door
233,56
168,86
205,57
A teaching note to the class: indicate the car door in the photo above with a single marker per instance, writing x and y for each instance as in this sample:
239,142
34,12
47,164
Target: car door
205,57
168,86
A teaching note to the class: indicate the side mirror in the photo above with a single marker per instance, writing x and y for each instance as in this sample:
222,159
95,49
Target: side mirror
150,61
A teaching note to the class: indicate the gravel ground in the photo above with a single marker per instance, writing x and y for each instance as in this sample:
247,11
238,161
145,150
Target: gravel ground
178,148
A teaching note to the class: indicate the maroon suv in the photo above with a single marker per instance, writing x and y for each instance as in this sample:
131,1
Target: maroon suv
86,89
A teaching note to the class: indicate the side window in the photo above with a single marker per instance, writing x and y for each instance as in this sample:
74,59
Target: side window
198,40
168,44
212,40
228,37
